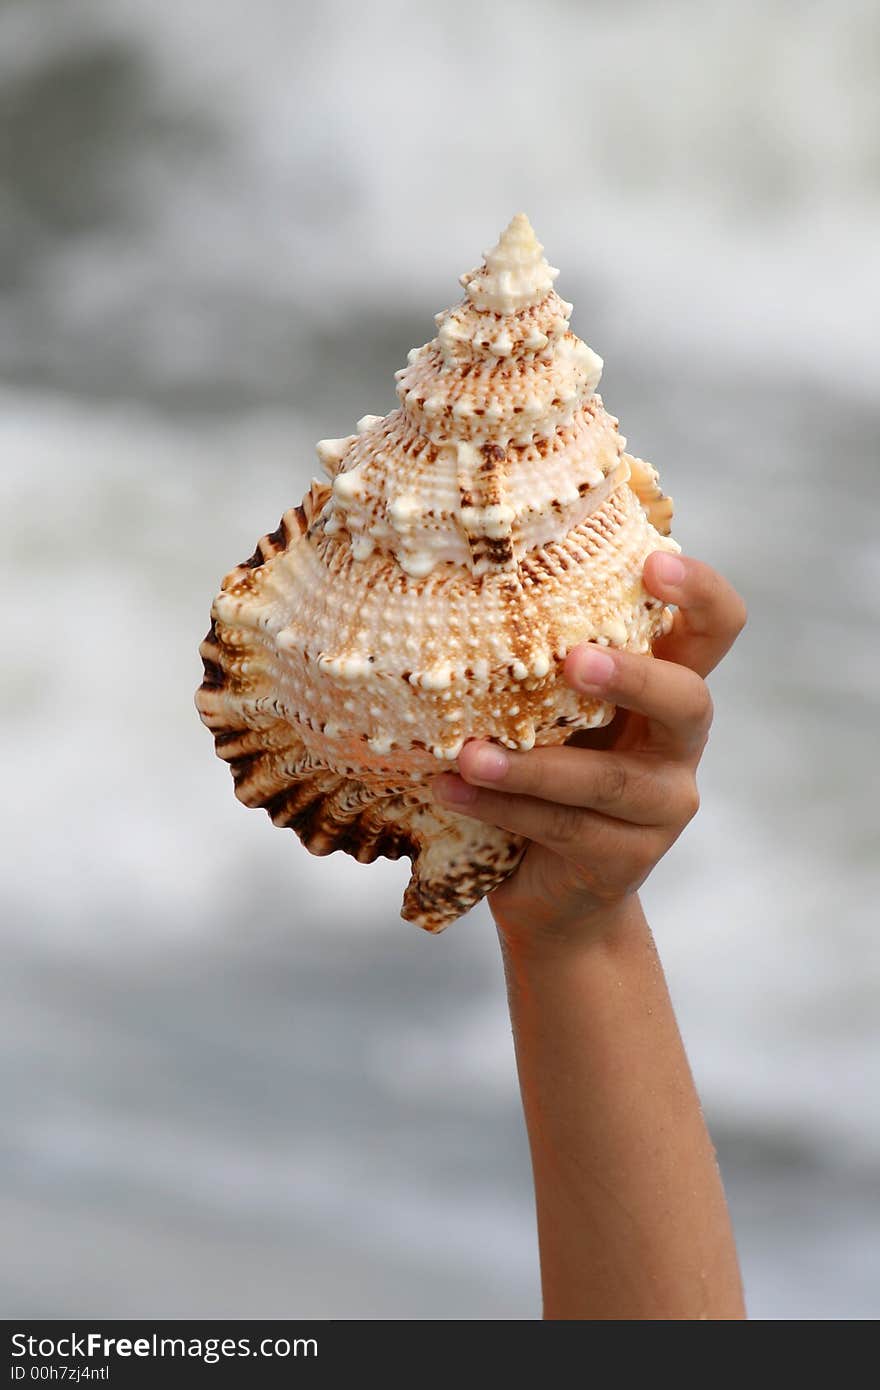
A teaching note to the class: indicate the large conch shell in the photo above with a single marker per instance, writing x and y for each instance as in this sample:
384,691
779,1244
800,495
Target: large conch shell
469,540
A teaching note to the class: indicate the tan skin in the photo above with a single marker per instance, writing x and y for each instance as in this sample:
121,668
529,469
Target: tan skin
632,1219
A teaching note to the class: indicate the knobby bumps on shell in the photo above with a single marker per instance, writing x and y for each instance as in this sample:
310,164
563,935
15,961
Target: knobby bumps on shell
430,591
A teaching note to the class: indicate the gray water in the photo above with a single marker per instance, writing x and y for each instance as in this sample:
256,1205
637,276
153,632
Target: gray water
235,1083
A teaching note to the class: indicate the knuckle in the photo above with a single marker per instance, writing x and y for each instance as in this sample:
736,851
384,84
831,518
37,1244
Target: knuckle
704,709
612,781
695,702
563,825
712,588
719,596
739,616
689,801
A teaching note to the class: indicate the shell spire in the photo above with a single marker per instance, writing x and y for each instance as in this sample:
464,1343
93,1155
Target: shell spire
430,592
515,274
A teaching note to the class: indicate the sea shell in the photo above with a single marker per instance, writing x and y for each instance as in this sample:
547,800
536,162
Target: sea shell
431,591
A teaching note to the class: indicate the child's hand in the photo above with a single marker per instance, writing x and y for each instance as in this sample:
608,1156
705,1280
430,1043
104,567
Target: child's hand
601,811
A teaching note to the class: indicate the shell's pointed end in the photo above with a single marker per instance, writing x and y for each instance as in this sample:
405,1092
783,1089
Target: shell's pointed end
514,274
517,239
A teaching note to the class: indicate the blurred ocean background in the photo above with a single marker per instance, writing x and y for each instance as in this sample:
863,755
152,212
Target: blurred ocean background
235,1084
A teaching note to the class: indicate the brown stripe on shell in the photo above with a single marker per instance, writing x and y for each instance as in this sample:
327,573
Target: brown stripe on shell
367,843
293,524
435,902
498,549
493,454
270,545
481,487
209,651
309,808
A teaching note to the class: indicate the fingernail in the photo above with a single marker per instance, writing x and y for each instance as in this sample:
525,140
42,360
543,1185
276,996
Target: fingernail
489,764
670,569
592,667
448,787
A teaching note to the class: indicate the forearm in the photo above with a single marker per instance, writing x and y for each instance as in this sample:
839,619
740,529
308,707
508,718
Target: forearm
632,1220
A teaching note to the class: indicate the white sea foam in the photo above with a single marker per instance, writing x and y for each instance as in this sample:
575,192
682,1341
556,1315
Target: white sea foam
716,195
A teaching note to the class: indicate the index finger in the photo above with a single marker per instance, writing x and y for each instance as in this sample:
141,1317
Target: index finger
674,699
710,615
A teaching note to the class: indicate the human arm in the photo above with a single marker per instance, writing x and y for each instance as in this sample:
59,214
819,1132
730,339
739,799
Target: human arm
632,1219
